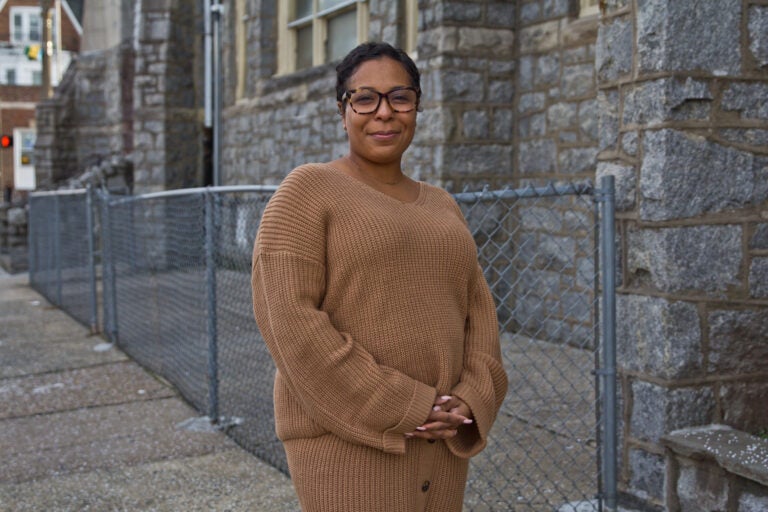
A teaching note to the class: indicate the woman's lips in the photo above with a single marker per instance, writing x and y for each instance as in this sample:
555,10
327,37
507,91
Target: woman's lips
384,135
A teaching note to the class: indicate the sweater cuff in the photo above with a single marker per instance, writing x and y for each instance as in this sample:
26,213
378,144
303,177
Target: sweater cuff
471,439
393,439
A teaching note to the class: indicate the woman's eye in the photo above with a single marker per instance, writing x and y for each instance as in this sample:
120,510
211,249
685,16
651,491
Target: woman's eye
364,99
400,98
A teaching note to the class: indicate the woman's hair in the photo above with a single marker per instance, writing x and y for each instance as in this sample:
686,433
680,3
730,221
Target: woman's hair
372,51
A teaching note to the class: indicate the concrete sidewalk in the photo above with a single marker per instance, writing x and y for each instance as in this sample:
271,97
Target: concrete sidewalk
82,427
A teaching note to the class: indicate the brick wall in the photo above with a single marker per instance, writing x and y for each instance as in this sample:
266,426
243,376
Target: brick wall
12,117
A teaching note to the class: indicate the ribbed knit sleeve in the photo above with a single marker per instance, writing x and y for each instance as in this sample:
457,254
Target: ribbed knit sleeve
483,382
332,378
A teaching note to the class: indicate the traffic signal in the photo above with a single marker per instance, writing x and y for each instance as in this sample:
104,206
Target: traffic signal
6,141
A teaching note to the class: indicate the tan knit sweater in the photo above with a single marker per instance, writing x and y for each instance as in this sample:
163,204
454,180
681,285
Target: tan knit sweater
371,308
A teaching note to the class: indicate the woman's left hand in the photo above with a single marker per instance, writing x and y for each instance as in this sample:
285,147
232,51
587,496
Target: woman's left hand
448,414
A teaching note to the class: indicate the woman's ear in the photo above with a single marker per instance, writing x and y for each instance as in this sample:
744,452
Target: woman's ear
341,113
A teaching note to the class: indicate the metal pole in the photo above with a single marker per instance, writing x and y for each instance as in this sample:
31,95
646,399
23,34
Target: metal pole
31,244
108,263
91,259
57,247
596,331
216,12
608,243
210,279
47,17
207,50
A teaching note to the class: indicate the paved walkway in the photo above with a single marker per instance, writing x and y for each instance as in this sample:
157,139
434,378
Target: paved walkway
82,427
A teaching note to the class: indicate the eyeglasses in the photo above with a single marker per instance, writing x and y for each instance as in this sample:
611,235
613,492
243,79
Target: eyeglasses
367,101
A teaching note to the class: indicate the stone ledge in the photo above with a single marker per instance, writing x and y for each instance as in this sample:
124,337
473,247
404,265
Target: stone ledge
735,451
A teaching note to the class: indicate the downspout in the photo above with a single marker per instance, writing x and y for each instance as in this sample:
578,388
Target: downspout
213,81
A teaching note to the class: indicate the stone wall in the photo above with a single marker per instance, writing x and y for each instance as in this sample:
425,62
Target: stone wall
683,127
13,237
84,124
555,137
466,58
556,120
167,97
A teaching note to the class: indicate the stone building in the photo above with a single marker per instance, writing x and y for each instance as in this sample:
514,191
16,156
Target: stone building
669,96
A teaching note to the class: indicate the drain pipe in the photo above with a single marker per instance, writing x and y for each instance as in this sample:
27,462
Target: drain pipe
207,50
213,80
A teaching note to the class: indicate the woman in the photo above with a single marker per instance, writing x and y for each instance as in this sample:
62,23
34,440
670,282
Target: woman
367,291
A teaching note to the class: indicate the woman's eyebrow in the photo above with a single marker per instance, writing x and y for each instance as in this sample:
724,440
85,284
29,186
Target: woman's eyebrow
368,88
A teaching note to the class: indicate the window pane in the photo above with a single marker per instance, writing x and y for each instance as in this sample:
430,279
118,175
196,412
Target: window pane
10,77
18,29
303,8
342,35
34,29
304,47
326,4
37,78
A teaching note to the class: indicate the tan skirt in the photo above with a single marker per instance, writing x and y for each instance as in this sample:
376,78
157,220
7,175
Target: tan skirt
332,475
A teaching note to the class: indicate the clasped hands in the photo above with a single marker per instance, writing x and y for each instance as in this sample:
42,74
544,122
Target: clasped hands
447,415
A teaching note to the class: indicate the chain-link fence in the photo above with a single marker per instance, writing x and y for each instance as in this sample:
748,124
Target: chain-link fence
62,252
539,250
177,298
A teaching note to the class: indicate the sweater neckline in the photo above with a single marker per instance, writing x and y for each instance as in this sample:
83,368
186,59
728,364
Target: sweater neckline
419,198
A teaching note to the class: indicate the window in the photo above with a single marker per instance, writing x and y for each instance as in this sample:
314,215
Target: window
37,78
10,76
314,32
589,8
27,25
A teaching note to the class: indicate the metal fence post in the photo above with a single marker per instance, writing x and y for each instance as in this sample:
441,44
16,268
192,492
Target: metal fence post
32,242
210,279
608,260
108,265
94,315
57,247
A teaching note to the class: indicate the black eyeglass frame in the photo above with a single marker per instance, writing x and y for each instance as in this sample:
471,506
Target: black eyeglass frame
349,92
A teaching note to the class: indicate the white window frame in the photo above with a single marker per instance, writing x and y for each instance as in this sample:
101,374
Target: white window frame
589,8
27,13
286,41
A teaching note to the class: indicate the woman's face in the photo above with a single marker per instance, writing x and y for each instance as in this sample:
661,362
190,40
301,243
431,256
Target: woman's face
384,135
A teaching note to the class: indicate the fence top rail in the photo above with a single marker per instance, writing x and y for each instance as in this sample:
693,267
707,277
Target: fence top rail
552,189
62,192
193,191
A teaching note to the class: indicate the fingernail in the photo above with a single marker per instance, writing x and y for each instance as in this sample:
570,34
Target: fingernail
437,408
467,421
408,435
446,397
421,429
